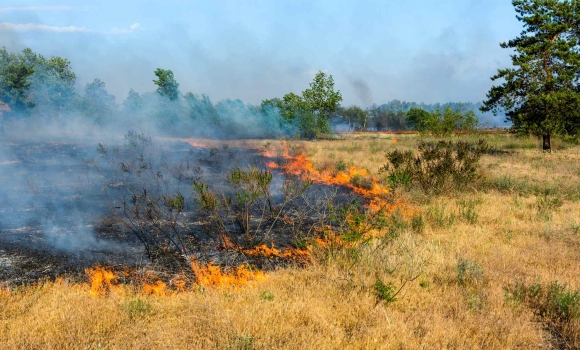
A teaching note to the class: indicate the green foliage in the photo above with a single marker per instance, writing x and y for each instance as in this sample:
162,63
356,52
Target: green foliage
546,204
468,211
554,304
16,84
267,295
240,342
438,167
31,83
540,94
384,292
136,308
321,98
418,118
133,105
98,105
341,165
442,123
469,272
54,85
311,111
439,217
201,109
356,117
382,119
418,223
167,86
245,210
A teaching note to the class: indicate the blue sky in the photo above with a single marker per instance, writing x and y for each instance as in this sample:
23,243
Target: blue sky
423,51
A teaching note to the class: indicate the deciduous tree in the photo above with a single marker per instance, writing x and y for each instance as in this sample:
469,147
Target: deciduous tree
167,86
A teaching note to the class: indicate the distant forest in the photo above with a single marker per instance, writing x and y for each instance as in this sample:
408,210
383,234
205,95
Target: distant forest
393,116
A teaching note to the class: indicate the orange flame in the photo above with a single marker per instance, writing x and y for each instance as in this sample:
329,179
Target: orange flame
101,280
359,180
301,255
294,254
197,144
212,275
158,289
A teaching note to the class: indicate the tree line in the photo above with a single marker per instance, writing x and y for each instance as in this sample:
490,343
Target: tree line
37,87
440,121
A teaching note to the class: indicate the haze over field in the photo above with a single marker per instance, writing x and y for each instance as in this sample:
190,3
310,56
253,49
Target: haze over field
377,51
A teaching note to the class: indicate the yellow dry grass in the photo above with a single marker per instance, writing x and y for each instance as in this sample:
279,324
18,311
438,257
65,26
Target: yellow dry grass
330,304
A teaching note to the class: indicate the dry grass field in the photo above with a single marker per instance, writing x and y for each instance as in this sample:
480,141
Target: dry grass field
476,271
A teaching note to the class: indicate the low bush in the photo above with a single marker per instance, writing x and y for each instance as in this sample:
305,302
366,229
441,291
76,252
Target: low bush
436,167
556,305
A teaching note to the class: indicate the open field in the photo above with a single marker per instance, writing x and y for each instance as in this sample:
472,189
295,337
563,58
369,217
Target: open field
466,273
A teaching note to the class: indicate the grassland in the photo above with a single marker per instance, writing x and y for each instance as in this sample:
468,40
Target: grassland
466,274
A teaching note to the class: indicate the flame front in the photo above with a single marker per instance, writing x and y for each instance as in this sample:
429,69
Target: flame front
101,280
299,255
301,166
212,275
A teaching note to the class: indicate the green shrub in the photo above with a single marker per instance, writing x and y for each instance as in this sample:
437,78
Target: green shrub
362,181
137,307
418,223
240,342
341,165
267,295
546,204
439,218
468,211
438,167
469,272
384,292
556,305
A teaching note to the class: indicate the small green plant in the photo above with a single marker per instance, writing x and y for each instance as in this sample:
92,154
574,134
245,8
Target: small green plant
439,218
240,342
396,224
546,204
384,292
469,272
424,284
418,223
137,307
575,228
475,299
468,211
504,184
362,181
341,165
399,180
267,295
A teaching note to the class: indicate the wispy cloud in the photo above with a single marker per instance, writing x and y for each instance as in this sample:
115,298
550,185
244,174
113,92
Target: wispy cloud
134,27
36,8
35,27
29,27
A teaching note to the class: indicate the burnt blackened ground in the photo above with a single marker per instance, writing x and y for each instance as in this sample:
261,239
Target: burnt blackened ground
56,199
50,202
